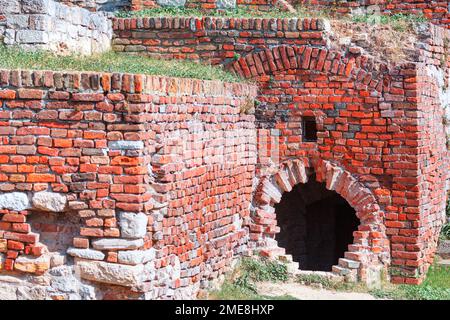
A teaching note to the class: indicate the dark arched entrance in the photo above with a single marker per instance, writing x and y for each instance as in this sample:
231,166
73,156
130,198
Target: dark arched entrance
316,225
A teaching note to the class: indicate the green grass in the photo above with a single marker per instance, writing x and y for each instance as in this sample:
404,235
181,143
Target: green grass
13,58
435,287
399,22
242,284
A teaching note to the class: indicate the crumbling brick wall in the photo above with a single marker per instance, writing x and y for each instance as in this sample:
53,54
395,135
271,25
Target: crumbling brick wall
370,118
382,124
433,91
438,12
216,40
151,175
49,25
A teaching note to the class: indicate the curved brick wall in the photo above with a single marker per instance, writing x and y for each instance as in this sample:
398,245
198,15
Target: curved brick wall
216,40
140,181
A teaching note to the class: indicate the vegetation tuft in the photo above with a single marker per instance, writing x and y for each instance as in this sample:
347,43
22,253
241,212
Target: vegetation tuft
242,284
399,22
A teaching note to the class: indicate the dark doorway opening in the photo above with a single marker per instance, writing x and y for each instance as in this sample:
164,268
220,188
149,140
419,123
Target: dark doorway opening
316,225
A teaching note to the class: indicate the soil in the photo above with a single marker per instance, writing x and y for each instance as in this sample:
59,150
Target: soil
303,292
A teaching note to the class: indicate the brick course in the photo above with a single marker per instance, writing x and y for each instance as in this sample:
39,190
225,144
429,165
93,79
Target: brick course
216,40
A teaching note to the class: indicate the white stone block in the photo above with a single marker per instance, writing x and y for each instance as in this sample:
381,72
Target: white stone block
117,244
86,253
136,256
133,225
112,273
17,21
16,201
9,6
126,145
31,36
49,201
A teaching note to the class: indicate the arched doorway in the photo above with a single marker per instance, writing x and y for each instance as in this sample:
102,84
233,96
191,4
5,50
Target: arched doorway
316,225
359,231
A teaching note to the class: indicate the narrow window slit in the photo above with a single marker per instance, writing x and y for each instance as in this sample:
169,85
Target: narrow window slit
309,129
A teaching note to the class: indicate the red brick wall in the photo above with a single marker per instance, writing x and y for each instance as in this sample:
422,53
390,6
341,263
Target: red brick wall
434,158
217,40
437,12
381,125
370,119
192,176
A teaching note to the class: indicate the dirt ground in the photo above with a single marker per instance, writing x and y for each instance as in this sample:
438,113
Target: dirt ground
303,292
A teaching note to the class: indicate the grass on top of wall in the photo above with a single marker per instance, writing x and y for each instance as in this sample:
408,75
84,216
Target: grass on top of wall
13,58
399,22
192,12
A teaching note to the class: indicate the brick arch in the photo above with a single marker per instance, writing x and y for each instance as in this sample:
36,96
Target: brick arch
259,64
370,246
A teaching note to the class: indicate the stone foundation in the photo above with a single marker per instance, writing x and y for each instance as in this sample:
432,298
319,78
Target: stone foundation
49,25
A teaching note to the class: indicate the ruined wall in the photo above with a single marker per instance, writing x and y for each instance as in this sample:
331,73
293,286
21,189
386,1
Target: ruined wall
216,40
48,25
139,183
383,124
433,77
370,119
438,12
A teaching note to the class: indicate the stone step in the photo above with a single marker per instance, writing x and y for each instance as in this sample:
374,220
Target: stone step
444,262
293,267
272,252
347,263
444,249
340,270
286,258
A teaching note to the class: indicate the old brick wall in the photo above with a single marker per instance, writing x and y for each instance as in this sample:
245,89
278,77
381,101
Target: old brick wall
216,40
438,12
382,124
433,77
149,178
370,120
